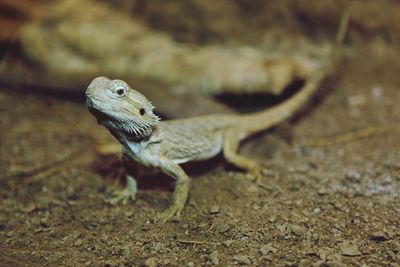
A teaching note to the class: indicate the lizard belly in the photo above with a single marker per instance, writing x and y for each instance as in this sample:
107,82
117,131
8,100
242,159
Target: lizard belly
199,151
213,151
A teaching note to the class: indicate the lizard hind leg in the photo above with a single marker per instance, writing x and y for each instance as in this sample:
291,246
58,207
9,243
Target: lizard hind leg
230,150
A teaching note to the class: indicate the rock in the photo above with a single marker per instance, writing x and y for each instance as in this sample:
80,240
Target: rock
304,263
126,251
335,263
334,257
28,208
267,249
10,234
353,176
282,228
190,264
222,228
272,219
213,257
377,91
348,249
302,168
150,262
214,209
264,250
322,191
242,260
323,253
35,221
298,230
44,222
78,242
227,243
378,236
357,100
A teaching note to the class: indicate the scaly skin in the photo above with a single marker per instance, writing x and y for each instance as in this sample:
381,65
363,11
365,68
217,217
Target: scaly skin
165,144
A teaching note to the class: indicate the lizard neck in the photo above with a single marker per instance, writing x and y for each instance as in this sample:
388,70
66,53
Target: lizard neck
124,137
125,134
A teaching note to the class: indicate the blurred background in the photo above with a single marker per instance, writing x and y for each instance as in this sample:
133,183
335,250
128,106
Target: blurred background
331,194
230,46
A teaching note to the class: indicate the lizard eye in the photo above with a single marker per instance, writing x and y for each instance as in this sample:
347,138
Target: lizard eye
142,111
120,91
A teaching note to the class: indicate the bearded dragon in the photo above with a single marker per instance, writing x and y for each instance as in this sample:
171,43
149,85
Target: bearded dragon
130,118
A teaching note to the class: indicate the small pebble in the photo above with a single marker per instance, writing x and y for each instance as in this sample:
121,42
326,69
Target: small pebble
151,262
28,208
78,242
353,176
190,264
378,236
348,249
356,100
35,221
214,209
227,243
300,168
264,250
322,191
335,263
213,257
44,222
222,228
10,234
377,91
272,219
298,230
242,260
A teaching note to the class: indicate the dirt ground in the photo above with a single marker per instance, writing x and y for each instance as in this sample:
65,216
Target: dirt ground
330,196
332,205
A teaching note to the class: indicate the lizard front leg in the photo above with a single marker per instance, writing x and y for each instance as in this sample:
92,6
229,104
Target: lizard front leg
130,189
231,145
129,192
181,189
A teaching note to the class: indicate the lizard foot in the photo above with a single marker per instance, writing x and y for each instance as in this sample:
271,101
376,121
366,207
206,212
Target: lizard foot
121,196
257,173
172,211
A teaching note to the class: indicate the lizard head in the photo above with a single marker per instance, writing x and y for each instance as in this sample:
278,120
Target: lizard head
123,110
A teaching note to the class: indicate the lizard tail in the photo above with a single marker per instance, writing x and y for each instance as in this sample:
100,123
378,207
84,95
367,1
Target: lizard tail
262,120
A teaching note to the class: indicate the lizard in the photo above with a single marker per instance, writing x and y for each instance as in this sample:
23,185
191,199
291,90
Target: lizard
152,142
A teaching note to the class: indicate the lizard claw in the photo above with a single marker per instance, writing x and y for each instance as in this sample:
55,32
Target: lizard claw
257,173
172,211
122,196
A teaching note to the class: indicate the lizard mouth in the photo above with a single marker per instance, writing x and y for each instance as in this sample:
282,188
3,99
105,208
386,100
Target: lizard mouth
101,116
118,124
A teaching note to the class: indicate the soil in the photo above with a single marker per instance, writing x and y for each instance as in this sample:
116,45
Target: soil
322,202
332,205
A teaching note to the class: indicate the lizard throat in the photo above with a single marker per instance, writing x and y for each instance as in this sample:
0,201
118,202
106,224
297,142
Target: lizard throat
124,127
128,130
